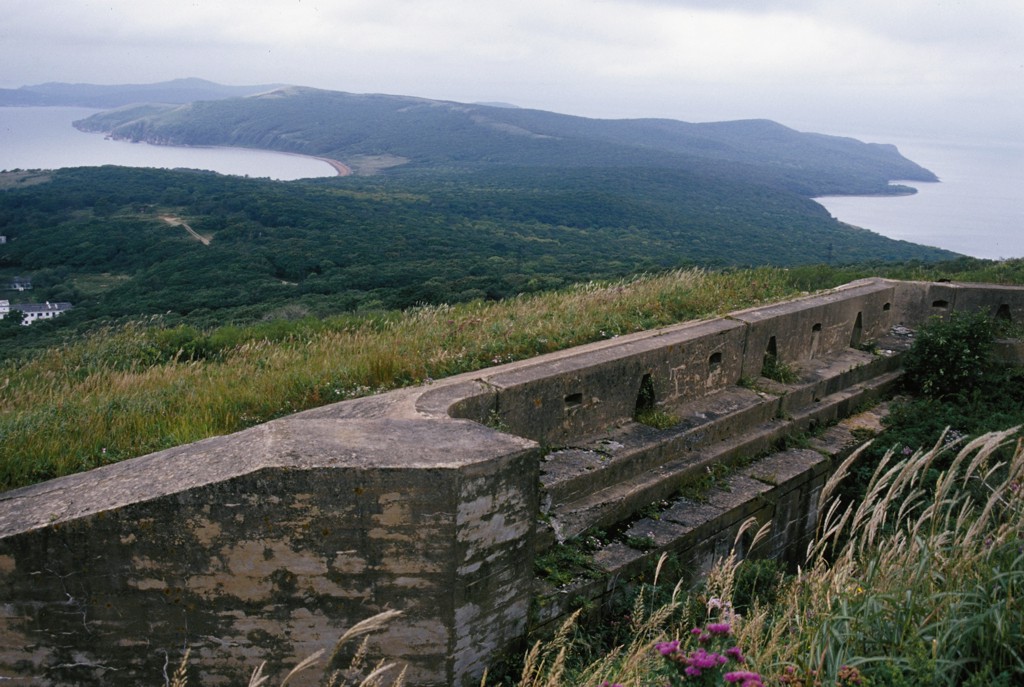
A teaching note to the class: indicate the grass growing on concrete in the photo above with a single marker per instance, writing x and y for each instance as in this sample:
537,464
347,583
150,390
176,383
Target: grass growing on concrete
571,560
778,371
657,418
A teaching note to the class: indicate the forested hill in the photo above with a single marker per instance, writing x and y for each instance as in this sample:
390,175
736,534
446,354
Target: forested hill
371,133
97,237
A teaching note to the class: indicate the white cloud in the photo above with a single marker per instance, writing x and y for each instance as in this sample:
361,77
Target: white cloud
922,62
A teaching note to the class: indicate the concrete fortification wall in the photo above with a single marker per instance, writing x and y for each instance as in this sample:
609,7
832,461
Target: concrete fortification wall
266,545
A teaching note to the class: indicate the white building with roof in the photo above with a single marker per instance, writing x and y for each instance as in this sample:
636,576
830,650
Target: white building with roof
34,311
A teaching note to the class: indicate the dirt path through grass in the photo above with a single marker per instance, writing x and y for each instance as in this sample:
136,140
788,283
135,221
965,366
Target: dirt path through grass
178,222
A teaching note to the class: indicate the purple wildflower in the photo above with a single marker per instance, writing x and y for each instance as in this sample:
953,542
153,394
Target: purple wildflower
744,678
667,648
849,677
706,660
702,636
735,653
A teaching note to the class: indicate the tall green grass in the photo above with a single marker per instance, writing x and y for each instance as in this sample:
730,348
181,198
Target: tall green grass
131,390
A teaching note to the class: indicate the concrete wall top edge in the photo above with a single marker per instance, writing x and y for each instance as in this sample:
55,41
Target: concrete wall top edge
288,444
439,400
390,443
847,291
974,286
606,351
217,459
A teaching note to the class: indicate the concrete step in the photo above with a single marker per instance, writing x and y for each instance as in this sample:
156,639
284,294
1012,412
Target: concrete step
698,531
572,472
611,479
818,378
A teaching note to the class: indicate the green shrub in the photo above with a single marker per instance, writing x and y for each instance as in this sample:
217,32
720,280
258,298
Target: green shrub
950,356
572,560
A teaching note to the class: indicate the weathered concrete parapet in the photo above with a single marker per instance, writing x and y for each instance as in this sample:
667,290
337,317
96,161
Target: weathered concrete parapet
916,302
563,396
810,327
267,544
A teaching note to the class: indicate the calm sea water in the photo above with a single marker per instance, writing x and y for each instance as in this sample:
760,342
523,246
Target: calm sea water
43,138
976,209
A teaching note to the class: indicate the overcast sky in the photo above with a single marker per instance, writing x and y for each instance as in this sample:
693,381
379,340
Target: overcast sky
855,67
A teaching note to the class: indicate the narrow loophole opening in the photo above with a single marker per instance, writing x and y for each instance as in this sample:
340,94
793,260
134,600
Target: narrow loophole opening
771,357
645,396
858,332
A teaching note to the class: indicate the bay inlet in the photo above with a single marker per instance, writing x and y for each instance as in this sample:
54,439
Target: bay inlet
977,207
44,138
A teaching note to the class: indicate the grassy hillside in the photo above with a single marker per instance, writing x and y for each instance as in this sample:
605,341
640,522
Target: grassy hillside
128,390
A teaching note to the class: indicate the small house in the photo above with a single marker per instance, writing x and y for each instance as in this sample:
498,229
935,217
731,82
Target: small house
42,311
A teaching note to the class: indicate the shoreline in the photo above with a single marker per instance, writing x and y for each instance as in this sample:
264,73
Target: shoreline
340,167
897,190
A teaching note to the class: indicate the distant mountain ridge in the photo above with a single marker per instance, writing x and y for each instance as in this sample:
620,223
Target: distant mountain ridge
372,132
177,91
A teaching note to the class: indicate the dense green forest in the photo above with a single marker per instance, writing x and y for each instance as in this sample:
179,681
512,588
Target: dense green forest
96,237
